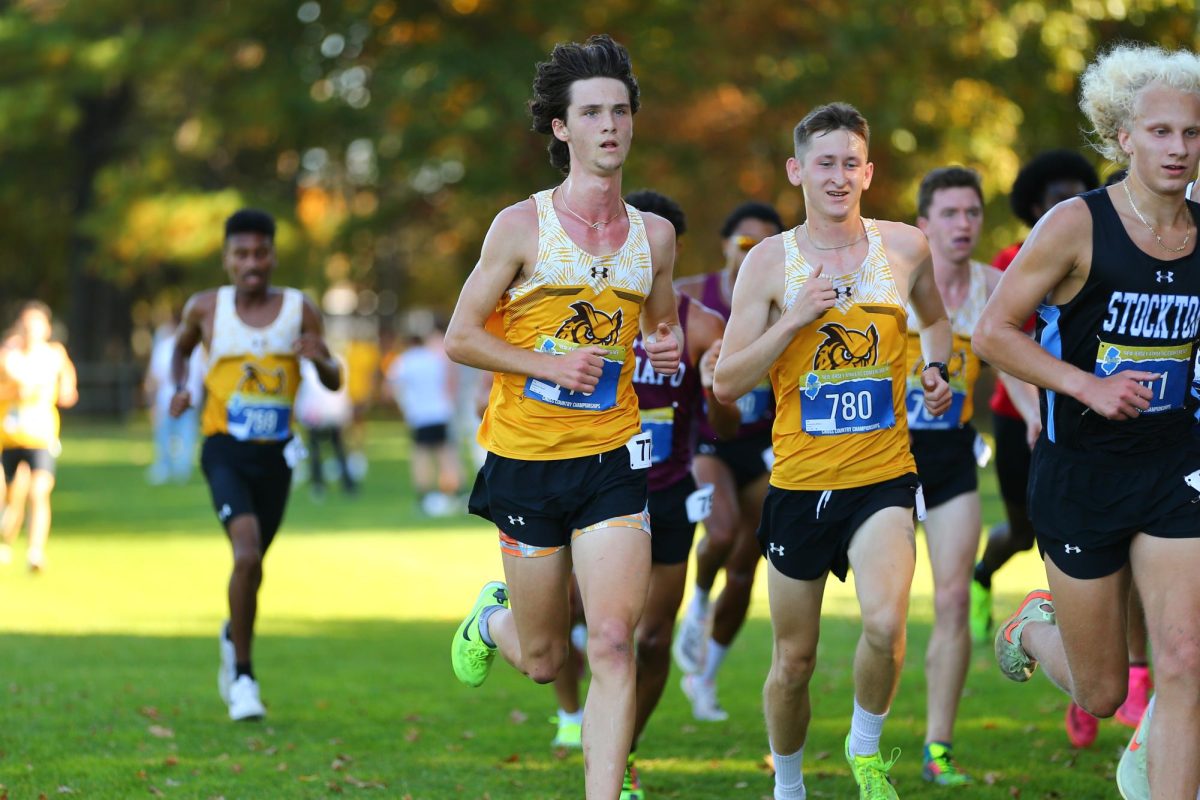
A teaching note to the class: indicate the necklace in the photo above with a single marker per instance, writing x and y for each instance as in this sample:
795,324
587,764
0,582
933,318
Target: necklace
593,225
808,236
1187,238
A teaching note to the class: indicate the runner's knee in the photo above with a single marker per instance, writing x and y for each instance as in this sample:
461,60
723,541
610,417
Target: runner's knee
542,661
610,643
792,667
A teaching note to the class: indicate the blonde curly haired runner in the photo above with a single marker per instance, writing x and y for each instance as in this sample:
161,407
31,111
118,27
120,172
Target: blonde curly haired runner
1110,87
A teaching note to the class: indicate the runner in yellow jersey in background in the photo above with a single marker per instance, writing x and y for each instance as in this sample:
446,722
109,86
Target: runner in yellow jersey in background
821,308
255,336
36,379
566,281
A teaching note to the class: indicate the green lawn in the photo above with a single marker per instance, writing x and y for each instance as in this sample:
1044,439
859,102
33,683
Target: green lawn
107,662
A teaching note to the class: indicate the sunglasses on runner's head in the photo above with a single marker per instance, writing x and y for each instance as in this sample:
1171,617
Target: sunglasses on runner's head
745,242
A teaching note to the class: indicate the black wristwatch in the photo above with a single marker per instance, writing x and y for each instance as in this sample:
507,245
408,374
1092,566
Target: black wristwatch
941,367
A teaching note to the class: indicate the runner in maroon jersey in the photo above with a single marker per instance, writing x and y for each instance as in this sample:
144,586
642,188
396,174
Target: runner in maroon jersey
738,470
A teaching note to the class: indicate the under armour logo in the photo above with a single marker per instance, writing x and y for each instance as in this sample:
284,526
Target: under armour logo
224,513
600,272
1164,277
1071,549
842,291
515,520
776,548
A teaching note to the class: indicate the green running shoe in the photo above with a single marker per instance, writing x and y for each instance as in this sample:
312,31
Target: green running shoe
938,766
871,774
1132,780
569,734
631,789
980,615
1015,663
469,654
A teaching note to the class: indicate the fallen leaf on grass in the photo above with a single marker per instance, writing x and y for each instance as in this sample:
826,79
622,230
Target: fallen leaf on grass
65,790
468,734
154,790
150,712
561,753
281,766
412,718
340,761
170,761
308,778
173,782
740,785
161,732
990,778
140,774
334,787
1013,791
361,784
412,734
236,769
512,759
517,717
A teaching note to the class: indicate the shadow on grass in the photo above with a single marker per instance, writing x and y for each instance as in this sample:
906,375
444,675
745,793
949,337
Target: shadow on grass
372,707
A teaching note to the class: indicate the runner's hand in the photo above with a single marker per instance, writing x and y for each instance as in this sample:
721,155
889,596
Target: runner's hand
181,401
937,392
662,348
578,370
1120,396
815,298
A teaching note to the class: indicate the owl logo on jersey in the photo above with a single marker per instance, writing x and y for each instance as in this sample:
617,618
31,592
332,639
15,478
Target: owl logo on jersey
590,325
257,380
846,348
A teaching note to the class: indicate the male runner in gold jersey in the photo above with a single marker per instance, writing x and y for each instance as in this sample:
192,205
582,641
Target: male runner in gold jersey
254,335
564,283
822,309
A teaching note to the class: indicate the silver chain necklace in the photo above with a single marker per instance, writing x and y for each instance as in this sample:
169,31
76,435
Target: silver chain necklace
593,225
808,236
1187,238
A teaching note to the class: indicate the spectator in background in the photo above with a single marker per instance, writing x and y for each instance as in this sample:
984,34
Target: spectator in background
362,360
324,413
422,380
36,378
174,437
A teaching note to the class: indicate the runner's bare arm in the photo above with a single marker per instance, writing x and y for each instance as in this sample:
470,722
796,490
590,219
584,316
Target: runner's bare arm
752,341
68,382
510,245
706,330
936,336
1052,264
662,337
311,345
198,308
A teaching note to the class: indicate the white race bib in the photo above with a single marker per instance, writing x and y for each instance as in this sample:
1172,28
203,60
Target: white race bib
699,503
640,447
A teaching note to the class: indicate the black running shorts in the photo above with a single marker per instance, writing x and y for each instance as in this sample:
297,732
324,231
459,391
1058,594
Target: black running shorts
539,504
745,457
805,534
946,463
673,534
38,459
1012,459
1087,507
247,478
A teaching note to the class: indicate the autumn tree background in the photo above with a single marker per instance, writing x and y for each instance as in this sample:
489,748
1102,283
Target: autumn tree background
385,135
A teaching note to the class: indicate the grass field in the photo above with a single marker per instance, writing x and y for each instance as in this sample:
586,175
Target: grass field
107,665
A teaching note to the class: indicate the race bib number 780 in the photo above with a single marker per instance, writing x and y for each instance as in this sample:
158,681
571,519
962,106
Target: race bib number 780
849,400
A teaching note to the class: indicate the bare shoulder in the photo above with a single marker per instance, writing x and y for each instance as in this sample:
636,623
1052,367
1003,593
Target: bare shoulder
903,240
762,272
201,304
660,232
521,217
1067,220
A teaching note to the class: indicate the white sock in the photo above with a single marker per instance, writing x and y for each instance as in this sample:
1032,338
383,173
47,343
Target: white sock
574,717
713,656
485,617
865,731
699,605
789,776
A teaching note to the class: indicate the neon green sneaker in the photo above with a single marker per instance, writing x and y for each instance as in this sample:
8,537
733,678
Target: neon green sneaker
980,615
631,789
1132,780
1015,663
938,767
871,774
469,654
570,734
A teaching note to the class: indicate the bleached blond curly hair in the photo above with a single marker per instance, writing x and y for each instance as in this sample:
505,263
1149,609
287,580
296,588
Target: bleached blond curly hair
1111,84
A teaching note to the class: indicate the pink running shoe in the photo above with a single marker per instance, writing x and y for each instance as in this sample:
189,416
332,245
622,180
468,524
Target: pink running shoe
1082,727
1140,686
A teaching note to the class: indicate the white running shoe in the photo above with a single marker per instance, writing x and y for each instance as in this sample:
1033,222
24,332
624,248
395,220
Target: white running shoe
688,647
244,702
227,670
703,695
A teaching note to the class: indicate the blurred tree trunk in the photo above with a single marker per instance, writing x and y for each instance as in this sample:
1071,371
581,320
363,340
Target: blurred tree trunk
98,316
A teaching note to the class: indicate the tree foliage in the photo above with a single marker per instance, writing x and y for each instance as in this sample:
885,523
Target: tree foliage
385,135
